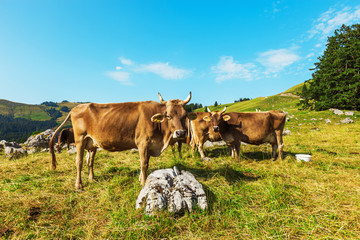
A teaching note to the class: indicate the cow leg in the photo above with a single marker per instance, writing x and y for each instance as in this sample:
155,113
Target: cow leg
144,163
274,149
179,149
79,162
201,150
90,161
173,149
193,146
279,143
236,150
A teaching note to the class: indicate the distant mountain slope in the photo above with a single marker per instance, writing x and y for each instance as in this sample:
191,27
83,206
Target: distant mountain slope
32,112
281,101
18,120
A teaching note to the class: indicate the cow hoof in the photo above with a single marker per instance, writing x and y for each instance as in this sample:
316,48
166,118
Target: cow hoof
207,159
78,186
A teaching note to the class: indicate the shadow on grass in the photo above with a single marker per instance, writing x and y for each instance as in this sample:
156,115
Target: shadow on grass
244,155
231,175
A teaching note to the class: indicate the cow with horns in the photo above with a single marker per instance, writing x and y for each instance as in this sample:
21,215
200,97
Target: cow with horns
148,126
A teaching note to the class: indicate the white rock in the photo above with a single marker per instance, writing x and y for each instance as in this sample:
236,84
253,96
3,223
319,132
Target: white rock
172,190
286,132
347,120
338,112
350,113
14,153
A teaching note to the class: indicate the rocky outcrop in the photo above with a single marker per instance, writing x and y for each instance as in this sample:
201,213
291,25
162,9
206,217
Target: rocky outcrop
169,189
4,143
14,153
40,140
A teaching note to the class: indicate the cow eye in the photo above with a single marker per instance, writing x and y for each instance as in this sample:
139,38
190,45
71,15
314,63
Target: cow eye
168,117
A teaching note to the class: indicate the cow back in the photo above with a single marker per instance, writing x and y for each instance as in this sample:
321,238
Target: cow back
114,126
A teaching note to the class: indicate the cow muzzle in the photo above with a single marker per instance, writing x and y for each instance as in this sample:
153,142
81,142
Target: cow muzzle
179,134
216,128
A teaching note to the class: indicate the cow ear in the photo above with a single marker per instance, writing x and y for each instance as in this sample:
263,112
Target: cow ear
158,118
192,115
226,117
207,118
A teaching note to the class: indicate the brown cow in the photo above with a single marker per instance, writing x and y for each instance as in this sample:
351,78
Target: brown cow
201,131
253,128
66,136
179,142
148,126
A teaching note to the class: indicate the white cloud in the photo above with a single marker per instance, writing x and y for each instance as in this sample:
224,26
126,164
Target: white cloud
228,69
126,61
122,77
118,68
164,70
318,45
332,19
277,60
310,55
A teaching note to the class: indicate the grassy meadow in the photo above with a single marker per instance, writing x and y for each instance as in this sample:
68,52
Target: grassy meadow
254,198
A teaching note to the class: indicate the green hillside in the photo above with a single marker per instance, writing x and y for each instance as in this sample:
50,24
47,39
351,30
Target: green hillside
31,112
282,101
18,120
21,110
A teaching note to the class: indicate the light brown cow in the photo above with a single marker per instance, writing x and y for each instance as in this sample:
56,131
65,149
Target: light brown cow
148,126
201,131
252,128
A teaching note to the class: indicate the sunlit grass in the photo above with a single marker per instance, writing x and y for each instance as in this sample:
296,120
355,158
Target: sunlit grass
255,198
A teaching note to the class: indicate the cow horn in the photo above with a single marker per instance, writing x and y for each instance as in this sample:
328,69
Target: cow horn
161,99
224,110
187,99
208,109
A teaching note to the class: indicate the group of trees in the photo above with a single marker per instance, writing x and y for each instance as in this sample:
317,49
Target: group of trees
49,104
336,80
192,106
242,100
19,129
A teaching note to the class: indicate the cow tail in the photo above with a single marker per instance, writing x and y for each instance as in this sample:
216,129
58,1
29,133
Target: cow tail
51,143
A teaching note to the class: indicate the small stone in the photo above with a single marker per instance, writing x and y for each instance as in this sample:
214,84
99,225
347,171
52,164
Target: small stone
347,120
338,112
286,132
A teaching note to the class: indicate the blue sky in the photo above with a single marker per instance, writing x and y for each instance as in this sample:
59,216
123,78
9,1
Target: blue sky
119,51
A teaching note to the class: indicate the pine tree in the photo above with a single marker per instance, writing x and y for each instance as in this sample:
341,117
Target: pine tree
336,80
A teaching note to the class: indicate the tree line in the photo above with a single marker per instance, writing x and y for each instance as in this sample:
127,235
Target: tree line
19,129
335,82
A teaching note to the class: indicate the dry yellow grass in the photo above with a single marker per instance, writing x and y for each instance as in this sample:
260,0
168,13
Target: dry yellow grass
255,198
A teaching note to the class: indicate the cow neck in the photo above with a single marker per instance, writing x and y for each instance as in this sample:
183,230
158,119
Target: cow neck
223,127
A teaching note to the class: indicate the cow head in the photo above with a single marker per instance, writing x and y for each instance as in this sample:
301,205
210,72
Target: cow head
58,147
215,118
174,115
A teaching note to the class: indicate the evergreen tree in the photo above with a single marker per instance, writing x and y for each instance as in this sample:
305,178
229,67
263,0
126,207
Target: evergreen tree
336,80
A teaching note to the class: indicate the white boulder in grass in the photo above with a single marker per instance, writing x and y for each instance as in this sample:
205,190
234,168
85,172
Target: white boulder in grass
172,190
